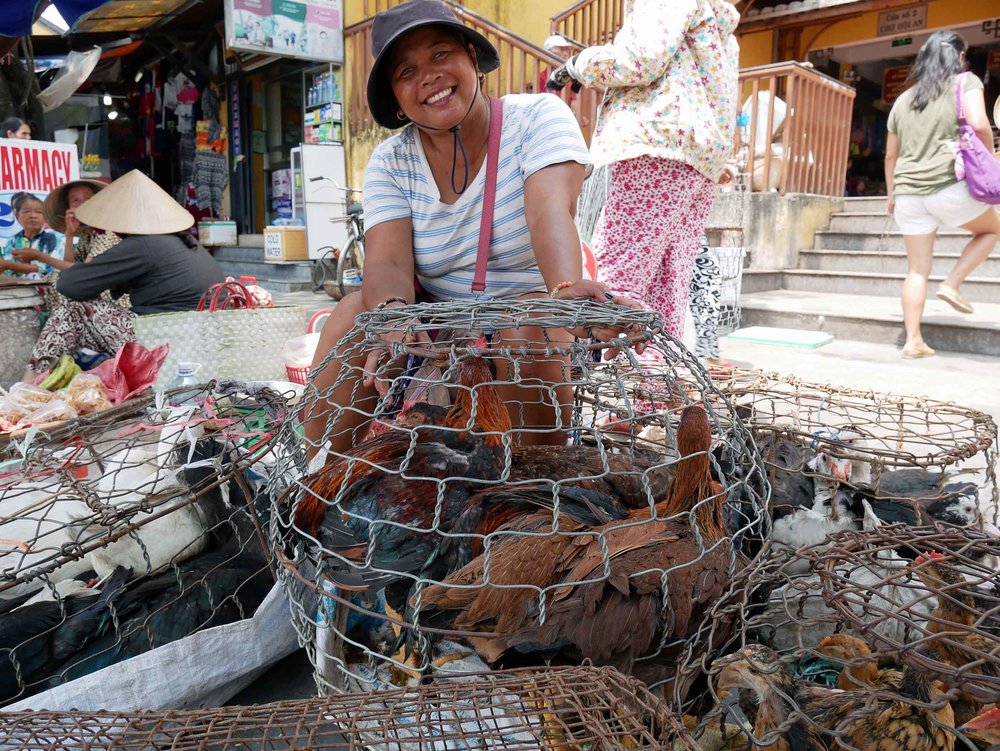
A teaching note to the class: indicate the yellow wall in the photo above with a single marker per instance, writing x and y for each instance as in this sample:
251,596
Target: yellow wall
527,18
940,14
756,49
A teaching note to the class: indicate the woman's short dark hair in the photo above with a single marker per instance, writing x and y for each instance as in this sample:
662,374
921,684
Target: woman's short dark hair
938,62
10,125
19,199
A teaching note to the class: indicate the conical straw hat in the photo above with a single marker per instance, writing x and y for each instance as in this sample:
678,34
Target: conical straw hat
135,205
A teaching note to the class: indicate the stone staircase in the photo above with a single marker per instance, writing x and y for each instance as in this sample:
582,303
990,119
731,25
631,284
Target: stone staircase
247,259
848,284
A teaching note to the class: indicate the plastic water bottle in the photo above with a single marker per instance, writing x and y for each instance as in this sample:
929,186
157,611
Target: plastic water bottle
186,376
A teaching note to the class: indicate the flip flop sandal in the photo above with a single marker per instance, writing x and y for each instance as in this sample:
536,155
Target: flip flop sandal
917,352
954,299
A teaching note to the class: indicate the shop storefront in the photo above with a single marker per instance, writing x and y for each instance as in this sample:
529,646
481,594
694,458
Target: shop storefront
870,46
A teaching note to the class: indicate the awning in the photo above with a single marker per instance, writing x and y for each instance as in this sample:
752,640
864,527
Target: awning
769,14
17,16
114,16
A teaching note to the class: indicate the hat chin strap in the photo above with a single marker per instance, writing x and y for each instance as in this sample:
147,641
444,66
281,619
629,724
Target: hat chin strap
457,145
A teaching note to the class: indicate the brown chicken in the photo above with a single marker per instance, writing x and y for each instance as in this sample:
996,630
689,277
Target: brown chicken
603,585
860,668
963,643
916,717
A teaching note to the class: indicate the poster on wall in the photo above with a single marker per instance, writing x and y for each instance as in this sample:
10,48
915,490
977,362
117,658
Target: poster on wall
36,167
307,29
894,82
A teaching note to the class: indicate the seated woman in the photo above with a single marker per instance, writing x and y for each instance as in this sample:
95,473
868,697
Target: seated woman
423,196
158,268
19,254
81,243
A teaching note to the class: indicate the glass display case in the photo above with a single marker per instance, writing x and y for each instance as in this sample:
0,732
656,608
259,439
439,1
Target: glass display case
323,104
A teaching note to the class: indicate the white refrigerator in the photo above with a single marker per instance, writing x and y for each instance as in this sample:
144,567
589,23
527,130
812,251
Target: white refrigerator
319,202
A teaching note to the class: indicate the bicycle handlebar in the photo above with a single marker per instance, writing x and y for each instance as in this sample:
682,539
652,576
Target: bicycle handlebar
346,188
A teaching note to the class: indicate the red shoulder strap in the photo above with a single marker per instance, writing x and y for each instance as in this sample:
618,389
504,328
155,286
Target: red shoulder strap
489,199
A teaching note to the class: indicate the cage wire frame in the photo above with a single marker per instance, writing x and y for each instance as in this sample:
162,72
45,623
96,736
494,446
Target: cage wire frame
644,398
818,674
566,707
879,432
726,236
172,494
958,642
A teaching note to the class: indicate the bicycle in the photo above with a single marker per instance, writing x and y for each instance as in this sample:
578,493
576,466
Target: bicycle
338,273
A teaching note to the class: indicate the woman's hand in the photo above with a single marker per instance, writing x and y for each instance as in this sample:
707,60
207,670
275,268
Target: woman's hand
380,353
890,205
585,289
26,255
72,223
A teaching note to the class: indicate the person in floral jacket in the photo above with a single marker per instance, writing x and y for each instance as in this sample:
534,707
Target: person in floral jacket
666,129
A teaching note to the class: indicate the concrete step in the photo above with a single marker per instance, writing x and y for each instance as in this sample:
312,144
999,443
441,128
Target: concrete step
874,319
975,289
276,277
890,262
760,280
865,205
868,222
948,241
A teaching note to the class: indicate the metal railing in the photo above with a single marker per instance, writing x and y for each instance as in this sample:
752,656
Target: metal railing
522,66
803,149
590,22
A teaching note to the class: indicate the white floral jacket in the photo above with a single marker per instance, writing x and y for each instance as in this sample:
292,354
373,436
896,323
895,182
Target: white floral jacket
671,77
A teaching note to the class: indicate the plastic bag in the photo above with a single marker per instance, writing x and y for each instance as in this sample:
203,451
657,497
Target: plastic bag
298,351
56,410
28,396
86,394
11,414
132,370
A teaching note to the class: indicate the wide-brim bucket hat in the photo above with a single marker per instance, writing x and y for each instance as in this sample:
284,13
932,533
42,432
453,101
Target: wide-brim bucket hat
388,26
56,203
135,205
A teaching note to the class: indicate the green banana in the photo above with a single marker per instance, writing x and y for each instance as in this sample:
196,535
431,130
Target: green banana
61,374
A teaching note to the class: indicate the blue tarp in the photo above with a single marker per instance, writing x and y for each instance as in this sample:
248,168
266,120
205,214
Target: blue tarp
17,16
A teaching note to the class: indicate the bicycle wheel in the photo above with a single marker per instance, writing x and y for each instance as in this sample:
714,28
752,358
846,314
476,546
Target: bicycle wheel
324,269
349,267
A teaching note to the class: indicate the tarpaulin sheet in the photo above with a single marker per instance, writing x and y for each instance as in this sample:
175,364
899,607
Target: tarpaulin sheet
17,16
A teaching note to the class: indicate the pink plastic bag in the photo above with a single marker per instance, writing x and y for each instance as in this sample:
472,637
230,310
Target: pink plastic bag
131,371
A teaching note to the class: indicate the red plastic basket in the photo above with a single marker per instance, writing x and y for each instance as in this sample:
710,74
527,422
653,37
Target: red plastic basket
298,375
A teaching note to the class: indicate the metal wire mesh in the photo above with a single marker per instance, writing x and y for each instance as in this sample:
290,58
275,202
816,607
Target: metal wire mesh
591,528
123,531
582,708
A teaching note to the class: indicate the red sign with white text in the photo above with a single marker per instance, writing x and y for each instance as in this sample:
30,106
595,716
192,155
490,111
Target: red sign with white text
37,167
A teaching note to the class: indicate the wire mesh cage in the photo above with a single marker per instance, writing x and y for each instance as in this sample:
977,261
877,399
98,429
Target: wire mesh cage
943,604
558,497
557,708
837,456
726,234
129,529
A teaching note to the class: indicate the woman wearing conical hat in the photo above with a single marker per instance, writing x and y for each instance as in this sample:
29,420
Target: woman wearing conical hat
157,264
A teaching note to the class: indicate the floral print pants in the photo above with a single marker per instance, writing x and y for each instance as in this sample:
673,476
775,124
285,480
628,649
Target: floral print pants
98,325
649,231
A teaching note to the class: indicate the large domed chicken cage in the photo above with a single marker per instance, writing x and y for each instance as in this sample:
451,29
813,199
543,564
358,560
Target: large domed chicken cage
556,499
556,708
845,452
130,528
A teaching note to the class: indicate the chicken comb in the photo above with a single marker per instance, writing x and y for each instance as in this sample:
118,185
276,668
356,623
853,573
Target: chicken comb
988,719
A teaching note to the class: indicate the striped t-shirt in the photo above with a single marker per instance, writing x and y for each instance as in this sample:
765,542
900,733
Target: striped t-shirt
538,130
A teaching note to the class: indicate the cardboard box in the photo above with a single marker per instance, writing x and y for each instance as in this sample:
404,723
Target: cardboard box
282,244
216,232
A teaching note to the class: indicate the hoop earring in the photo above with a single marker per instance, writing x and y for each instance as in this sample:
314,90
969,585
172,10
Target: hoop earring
400,115
482,78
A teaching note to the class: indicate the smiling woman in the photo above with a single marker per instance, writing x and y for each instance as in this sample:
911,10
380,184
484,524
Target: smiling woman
426,191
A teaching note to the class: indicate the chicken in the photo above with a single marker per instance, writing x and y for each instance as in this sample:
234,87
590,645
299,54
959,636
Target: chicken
597,578
42,634
963,642
984,728
916,717
860,668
